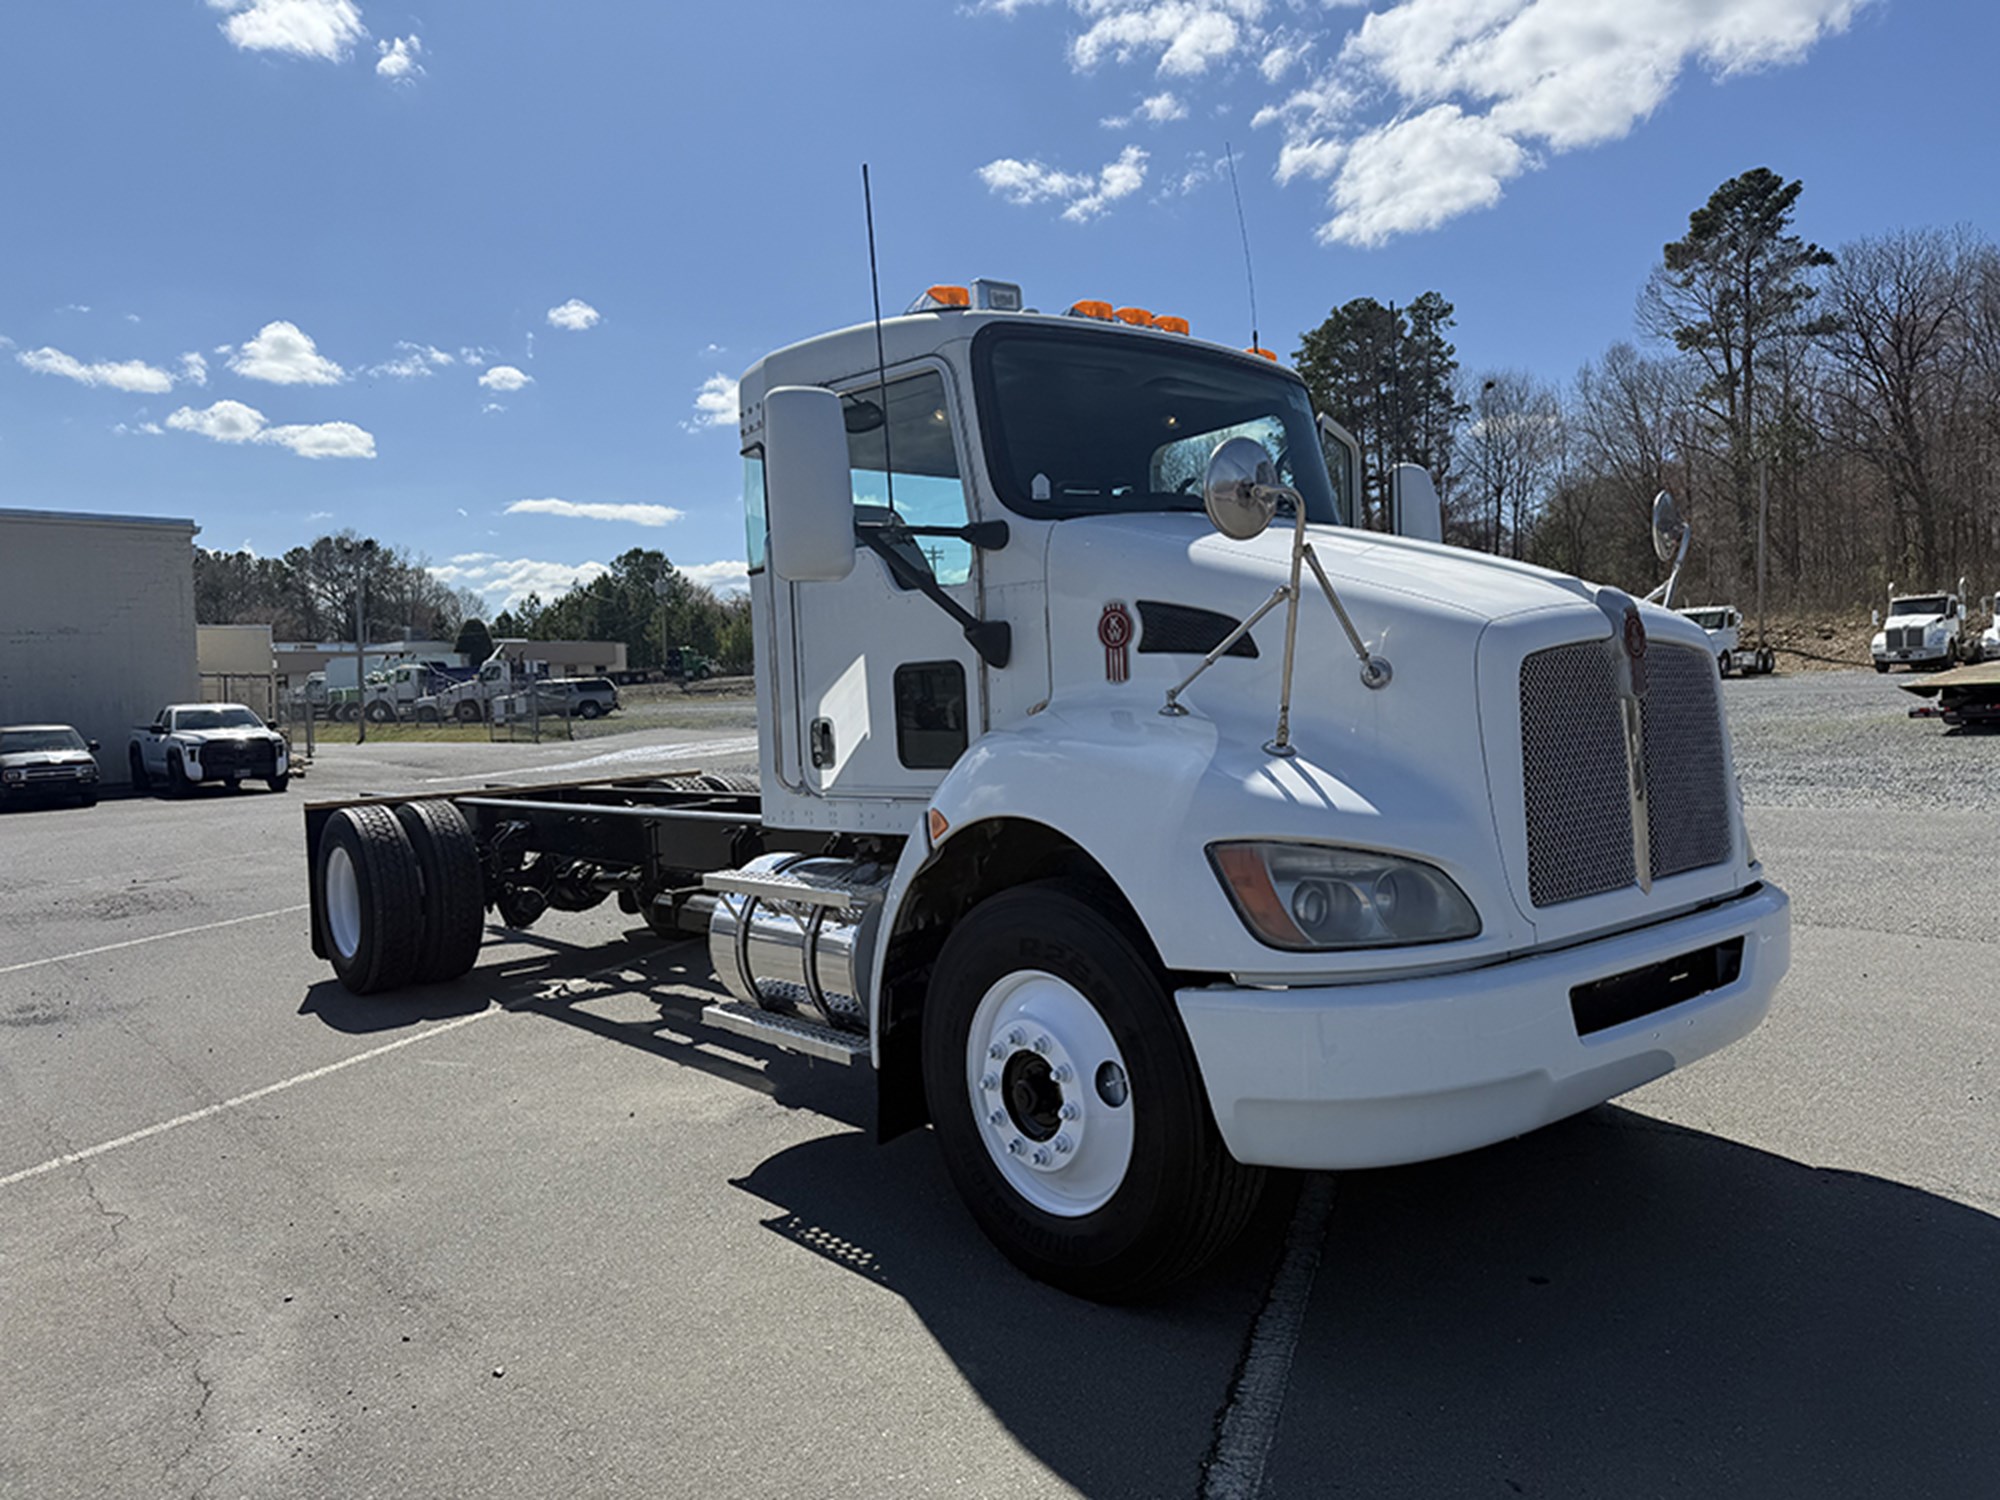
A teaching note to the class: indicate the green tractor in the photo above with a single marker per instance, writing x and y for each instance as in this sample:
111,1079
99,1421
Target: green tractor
685,664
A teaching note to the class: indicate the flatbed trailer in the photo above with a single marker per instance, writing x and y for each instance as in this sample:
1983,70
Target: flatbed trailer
1965,695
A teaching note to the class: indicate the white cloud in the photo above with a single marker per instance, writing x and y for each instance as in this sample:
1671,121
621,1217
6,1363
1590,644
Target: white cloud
397,60
721,577
194,369
415,362
233,422
505,378
507,581
597,510
122,375
1162,107
473,355
574,315
1479,87
5,342
474,557
1188,36
284,355
138,429
326,29
1083,196
714,404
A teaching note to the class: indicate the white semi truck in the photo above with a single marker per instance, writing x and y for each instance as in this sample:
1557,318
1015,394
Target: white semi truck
1139,822
1723,624
1924,630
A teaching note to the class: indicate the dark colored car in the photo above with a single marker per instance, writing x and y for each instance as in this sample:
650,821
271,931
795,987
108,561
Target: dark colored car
46,762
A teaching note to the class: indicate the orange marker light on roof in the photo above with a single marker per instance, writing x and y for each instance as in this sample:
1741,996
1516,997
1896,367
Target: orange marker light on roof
1263,353
1138,317
941,298
1171,325
1099,310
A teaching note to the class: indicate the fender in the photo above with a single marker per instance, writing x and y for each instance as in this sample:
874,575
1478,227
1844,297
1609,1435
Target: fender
1144,795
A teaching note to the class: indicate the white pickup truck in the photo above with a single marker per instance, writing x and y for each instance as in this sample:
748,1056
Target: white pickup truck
207,744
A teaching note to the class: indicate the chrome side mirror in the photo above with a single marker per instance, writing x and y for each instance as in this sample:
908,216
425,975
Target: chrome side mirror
1240,489
1668,527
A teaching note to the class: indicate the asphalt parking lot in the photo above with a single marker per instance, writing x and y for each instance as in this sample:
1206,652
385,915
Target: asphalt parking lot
537,1232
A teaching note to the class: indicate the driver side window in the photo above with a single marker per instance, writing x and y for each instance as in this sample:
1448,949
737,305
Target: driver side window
909,426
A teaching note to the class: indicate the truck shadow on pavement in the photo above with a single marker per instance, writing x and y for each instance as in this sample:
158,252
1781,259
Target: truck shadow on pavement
1613,1306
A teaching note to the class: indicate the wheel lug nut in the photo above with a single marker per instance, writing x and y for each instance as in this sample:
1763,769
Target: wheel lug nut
998,1117
1016,1146
990,1081
1042,1157
1016,1037
1062,1072
996,1052
1070,1112
1064,1145
1042,1045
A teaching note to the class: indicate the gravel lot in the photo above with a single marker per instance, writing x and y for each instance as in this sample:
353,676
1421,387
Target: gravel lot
536,1232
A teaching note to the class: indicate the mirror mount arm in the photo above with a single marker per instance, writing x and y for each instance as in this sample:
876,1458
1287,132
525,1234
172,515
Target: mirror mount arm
987,536
992,639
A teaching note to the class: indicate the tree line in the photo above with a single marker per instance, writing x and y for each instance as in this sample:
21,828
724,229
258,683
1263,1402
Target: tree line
1846,401
316,593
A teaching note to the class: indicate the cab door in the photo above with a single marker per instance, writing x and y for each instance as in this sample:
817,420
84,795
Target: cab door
888,689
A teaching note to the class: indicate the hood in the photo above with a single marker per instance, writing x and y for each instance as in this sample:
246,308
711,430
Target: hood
205,736
1900,622
1421,605
22,759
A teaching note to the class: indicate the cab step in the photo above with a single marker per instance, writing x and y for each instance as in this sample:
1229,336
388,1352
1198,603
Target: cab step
790,1033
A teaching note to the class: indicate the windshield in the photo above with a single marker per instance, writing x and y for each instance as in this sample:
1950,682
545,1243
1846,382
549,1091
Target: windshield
1708,619
1929,604
39,741
217,718
1082,422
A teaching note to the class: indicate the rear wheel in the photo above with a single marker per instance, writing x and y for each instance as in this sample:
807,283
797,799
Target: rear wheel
427,715
381,713
1067,1102
589,708
369,899
454,905
468,712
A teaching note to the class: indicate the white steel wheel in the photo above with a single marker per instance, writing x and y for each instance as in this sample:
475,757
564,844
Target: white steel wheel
343,902
1051,1093
1066,1100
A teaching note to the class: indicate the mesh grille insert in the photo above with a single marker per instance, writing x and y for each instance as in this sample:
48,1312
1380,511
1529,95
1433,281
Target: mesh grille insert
1687,789
1181,629
1573,772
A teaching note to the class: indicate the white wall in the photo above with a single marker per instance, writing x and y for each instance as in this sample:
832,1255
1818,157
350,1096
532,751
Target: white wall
96,623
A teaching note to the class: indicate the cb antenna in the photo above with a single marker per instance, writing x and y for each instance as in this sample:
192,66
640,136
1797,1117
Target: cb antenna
1244,229
881,361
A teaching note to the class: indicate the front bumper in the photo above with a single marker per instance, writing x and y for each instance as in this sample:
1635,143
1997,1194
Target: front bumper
1370,1075
1912,656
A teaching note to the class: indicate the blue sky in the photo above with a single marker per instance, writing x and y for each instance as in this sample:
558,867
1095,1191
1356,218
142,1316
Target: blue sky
475,276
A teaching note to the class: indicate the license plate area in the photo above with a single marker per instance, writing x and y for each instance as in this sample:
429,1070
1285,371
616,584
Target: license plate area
1618,998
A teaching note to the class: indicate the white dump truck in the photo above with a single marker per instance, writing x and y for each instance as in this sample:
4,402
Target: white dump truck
1137,820
1924,630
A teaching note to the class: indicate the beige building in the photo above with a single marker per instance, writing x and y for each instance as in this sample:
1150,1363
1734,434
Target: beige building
96,623
567,658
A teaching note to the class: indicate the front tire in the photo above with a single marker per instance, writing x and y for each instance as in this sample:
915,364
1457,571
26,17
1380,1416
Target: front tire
141,782
279,782
468,712
381,713
370,913
177,777
1067,1101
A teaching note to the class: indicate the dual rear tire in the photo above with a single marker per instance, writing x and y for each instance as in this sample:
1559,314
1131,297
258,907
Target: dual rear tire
400,895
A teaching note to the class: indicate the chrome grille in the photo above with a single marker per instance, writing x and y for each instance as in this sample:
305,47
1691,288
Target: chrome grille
1573,771
1905,638
1579,814
1687,786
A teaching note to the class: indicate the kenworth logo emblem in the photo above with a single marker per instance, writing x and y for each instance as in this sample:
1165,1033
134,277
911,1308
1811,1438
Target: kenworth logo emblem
1635,649
1628,647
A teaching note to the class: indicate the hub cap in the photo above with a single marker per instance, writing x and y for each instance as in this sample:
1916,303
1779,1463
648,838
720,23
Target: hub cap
1037,1061
343,902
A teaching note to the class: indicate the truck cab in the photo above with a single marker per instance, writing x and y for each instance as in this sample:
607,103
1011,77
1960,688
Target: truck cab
1141,821
1921,630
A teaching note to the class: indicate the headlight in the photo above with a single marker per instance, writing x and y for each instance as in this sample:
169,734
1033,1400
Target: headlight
11,775
1313,896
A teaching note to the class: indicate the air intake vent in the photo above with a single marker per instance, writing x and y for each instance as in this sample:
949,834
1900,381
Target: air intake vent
1183,630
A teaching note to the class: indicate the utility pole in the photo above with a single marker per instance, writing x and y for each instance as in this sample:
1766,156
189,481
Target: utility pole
1763,523
365,550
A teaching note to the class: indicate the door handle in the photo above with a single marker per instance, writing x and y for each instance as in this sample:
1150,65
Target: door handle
821,737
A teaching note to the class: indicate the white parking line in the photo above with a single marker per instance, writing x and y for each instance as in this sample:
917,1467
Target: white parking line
158,937
1257,1400
241,1099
